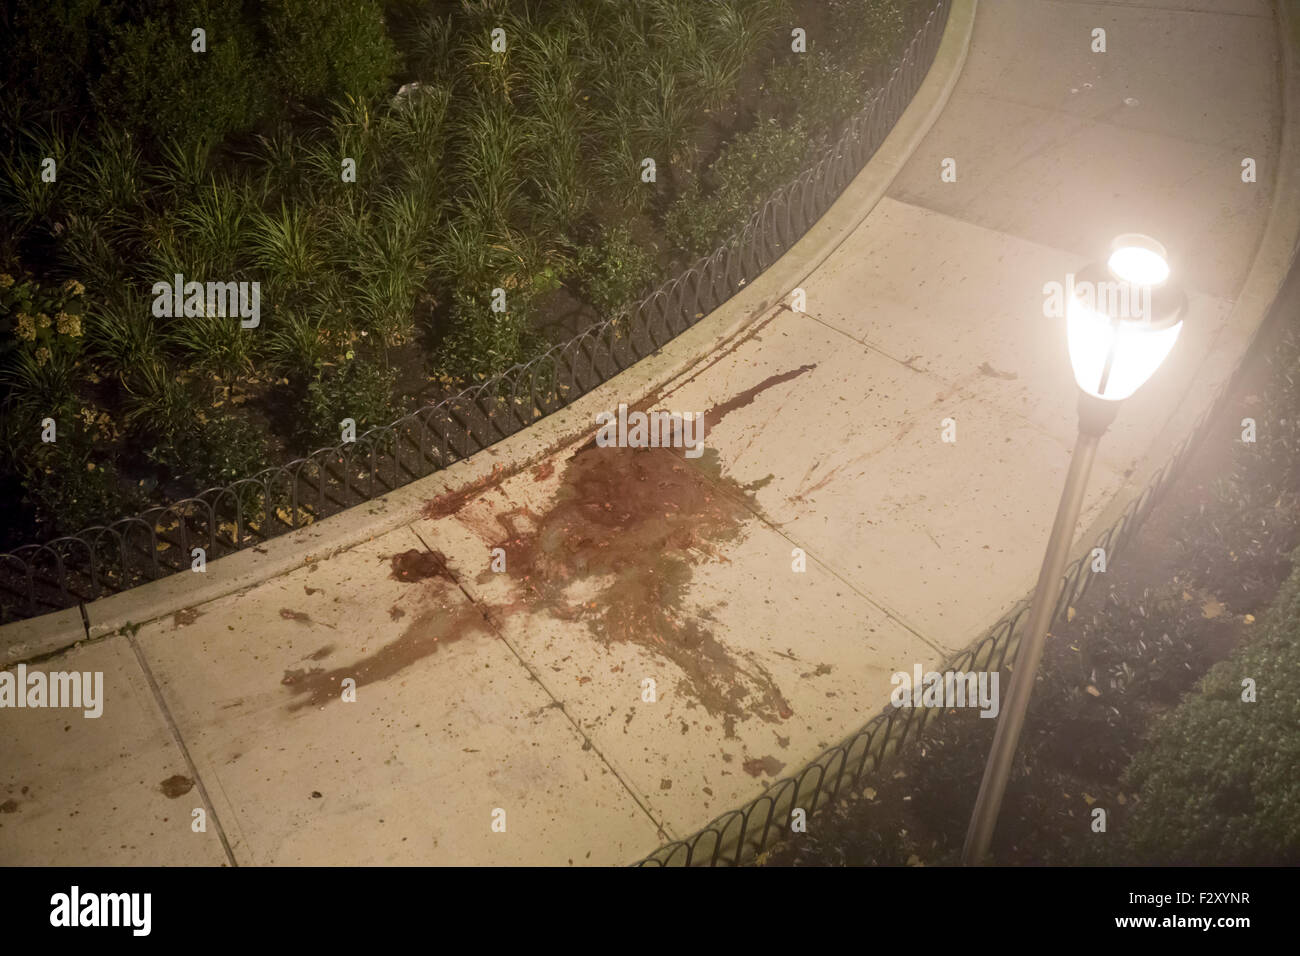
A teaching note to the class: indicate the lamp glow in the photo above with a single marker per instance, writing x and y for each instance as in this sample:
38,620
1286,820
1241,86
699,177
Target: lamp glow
1121,323
1133,351
1138,259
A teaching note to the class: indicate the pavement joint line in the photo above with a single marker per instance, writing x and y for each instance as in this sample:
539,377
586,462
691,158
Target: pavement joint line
778,529
243,840
1163,9
660,825
864,343
185,750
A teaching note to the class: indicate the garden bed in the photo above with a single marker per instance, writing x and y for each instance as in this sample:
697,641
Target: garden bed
502,170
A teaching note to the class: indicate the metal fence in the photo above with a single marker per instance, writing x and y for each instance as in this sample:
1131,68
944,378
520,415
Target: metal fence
101,560
737,837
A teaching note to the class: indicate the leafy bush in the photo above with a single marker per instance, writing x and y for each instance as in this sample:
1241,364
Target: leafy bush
34,33
41,337
477,342
480,343
41,318
810,79
155,83
359,389
613,271
1217,780
169,422
865,35
750,168
213,452
67,490
328,49
64,485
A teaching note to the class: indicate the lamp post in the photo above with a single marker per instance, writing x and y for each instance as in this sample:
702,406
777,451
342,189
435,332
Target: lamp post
1122,319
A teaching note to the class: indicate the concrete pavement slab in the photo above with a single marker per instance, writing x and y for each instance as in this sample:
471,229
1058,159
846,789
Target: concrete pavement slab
113,790
946,536
446,728
1074,184
1039,53
798,402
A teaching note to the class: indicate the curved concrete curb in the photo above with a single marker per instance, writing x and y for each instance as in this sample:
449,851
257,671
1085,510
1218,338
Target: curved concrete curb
51,633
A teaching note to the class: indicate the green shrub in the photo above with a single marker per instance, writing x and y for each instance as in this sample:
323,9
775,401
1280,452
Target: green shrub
65,485
751,167
867,34
613,271
1217,781
297,345
816,88
67,489
167,421
211,452
41,337
328,49
480,343
121,334
836,75
35,35
360,389
26,198
157,85
44,319
157,404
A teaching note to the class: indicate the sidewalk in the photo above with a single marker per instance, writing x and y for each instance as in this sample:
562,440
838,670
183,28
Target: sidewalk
521,695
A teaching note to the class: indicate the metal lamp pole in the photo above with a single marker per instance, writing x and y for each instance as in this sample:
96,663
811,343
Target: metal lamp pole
1092,424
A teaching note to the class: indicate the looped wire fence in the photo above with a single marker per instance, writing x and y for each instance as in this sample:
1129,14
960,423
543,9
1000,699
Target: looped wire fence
739,836
66,571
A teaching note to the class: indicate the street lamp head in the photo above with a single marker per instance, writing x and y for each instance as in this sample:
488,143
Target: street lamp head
1123,318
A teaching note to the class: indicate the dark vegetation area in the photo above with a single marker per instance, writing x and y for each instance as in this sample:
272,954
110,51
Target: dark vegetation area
477,169
1138,708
